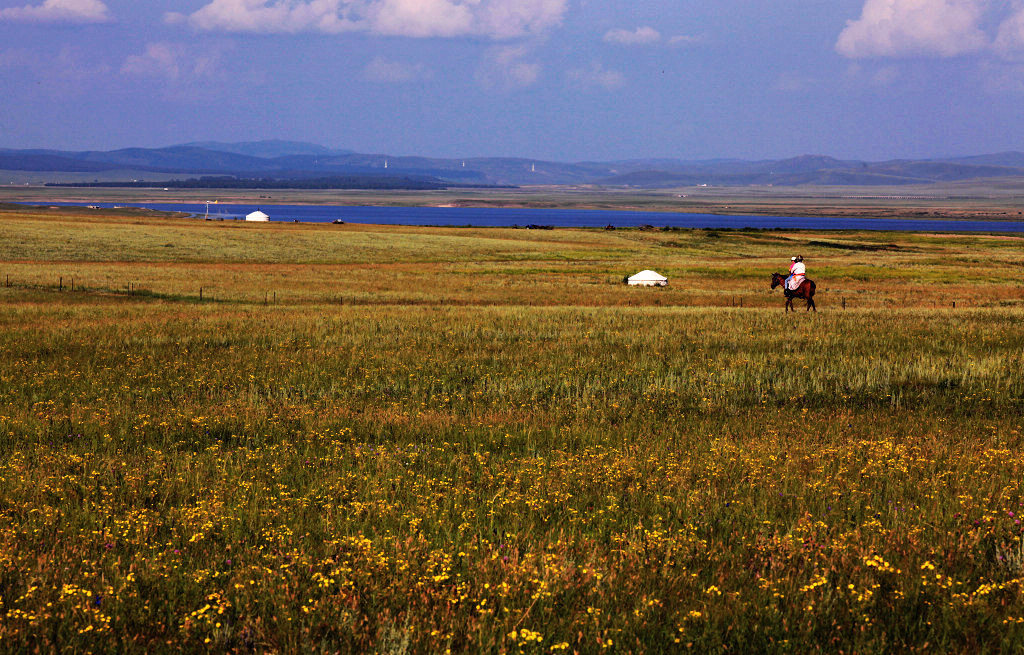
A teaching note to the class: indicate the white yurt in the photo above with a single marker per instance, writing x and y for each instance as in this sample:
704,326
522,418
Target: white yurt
257,216
648,279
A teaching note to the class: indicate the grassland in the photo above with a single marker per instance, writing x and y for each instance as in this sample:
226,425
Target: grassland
386,439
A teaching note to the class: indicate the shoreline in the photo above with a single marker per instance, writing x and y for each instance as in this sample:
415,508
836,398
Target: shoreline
937,202
930,221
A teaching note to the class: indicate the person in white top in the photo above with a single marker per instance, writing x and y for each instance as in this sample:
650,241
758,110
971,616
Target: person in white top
797,273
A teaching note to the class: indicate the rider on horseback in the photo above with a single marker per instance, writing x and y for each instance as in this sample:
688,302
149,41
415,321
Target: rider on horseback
797,285
797,273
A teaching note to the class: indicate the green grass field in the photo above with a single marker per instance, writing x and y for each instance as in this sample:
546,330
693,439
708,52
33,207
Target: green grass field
420,440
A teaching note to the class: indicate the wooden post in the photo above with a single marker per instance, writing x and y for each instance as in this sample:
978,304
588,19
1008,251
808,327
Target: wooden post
200,293
954,304
60,284
266,295
844,302
275,297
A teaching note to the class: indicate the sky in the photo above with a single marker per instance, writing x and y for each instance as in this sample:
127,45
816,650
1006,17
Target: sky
566,80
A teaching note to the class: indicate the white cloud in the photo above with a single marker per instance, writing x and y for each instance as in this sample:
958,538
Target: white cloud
597,76
59,11
174,62
942,28
422,18
158,59
895,28
1010,38
639,36
505,19
281,16
385,70
496,19
508,68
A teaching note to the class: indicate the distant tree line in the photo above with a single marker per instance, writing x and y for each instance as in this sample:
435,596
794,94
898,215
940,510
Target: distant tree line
225,182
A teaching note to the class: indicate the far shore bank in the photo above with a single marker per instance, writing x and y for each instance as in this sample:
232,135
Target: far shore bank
992,202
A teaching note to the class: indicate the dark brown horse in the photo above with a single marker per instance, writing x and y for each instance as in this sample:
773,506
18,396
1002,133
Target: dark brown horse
805,291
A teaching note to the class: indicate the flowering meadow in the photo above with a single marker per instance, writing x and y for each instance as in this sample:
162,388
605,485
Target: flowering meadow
427,440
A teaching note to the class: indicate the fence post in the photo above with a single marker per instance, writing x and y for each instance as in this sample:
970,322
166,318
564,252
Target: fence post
200,293
60,284
844,302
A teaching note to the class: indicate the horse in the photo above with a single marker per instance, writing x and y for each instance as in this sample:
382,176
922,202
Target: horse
805,291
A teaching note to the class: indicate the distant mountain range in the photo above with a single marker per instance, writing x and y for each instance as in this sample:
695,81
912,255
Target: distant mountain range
289,160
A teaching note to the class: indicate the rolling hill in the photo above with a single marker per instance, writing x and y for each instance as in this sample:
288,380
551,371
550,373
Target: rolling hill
290,160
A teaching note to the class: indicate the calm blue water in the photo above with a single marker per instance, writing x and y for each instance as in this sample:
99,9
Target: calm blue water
489,217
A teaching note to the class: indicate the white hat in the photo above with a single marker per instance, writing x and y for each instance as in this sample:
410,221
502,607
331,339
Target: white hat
792,259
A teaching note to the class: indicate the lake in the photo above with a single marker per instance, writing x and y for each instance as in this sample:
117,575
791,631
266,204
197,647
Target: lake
493,217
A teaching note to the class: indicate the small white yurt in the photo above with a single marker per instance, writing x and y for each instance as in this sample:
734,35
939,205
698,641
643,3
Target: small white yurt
648,279
257,216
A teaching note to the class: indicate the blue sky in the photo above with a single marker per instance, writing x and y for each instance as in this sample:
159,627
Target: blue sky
569,80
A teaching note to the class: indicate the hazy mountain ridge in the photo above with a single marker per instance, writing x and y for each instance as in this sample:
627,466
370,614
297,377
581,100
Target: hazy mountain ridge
297,160
269,149
821,170
1013,159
